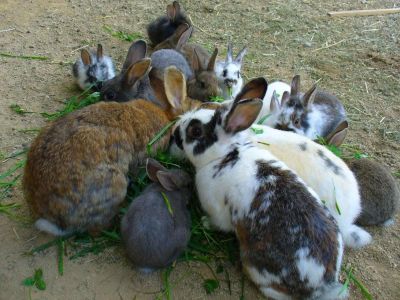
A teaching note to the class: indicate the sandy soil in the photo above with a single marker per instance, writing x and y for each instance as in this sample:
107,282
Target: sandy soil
284,38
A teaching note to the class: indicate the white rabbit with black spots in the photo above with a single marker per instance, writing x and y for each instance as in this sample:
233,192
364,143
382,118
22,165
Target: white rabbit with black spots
290,244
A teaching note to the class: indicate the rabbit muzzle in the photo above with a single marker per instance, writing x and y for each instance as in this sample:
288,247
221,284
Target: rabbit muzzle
230,82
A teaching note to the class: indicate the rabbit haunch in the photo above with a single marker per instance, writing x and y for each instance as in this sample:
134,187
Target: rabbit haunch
290,244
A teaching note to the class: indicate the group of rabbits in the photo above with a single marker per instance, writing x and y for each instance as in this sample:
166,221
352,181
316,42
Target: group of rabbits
290,201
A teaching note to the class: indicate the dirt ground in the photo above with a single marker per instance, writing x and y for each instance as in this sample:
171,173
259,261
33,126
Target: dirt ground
357,58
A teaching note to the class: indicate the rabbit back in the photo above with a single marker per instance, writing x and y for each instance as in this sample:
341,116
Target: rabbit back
161,59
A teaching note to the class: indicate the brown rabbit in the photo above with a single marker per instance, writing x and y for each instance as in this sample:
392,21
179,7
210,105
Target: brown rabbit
380,193
76,171
204,85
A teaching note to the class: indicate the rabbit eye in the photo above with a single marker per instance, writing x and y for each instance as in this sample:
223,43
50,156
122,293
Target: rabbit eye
202,84
195,132
297,123
238,74
224,73
110,95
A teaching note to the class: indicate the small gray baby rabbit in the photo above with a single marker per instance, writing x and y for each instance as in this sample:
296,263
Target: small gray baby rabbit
92,68
380,193
154,231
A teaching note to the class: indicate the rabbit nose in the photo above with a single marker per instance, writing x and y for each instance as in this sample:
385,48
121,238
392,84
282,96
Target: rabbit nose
230,82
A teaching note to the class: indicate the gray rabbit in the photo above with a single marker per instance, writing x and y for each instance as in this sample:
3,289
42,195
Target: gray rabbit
156,228
135,78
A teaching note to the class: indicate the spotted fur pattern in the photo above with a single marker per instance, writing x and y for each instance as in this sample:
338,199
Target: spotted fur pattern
324,172
290,244
100,69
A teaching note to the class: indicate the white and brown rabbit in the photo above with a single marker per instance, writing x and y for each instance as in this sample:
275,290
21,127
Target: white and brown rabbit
92,68
318,167
228,73
154,232
133,82
290,245
165,26
314,114
380,193
76,171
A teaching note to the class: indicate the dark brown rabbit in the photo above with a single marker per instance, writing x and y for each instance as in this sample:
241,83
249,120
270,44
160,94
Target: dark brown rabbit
380,193
76,171
165,26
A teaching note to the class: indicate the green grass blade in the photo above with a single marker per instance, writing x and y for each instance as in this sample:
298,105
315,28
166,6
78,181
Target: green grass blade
262,120
24,56
18,165
167,203
61,248
159,135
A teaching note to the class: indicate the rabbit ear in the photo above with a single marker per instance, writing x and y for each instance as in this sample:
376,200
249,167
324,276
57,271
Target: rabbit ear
242,115
255,88
136,52
274,105
309,96
86,58
99,52
295,86
156,77
171,11
152,167
184,36
239,57
211,62
196,63
285,98
229,55
177,7
168,181
136,71
175,86
337,137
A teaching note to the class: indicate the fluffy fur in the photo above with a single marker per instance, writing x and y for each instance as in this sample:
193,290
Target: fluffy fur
76,171
228,73
154,237
290,245
92,68
380,193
